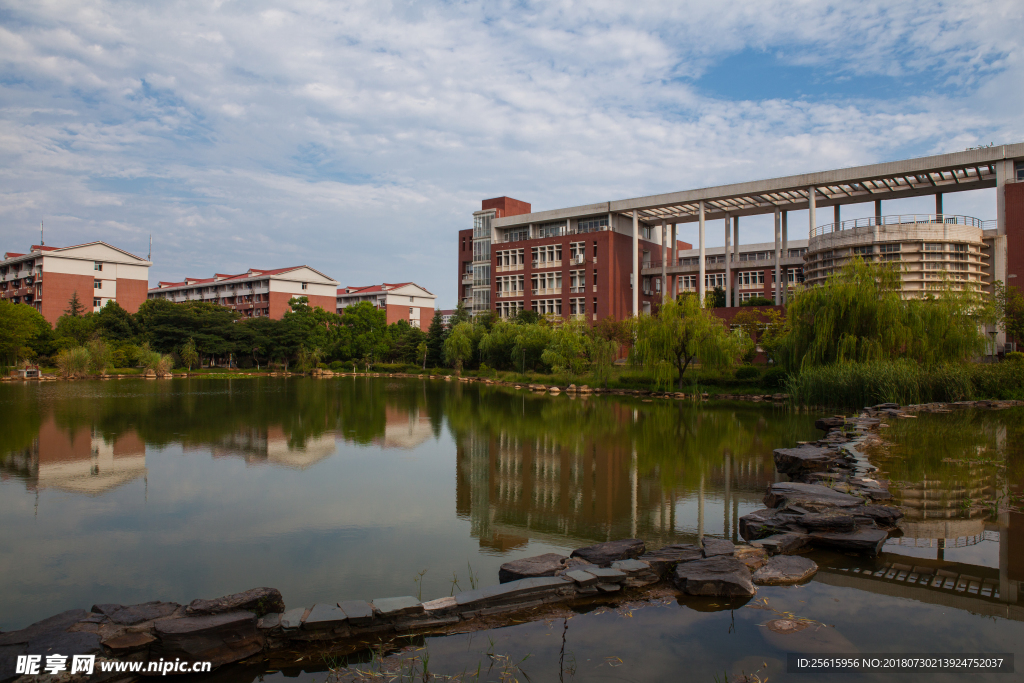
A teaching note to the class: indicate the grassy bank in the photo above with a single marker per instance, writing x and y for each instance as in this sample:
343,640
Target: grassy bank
854,385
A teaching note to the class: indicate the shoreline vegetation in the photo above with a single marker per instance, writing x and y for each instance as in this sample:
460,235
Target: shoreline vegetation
851,342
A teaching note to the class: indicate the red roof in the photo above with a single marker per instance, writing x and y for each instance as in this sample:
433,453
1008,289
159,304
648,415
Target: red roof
225,277
42,247
385,287
11,254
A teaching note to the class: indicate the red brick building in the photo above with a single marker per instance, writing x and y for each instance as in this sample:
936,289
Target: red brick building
48,277
403,301
255,293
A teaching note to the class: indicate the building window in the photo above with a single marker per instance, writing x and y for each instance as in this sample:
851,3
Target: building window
305,285
97,265
410,310
932,246
750,278
592,225
1020,171
97,302
97,284
861,251
688,283
551,229
888,248
517,235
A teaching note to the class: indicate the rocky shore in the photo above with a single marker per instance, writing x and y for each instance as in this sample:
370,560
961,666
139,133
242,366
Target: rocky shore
831,501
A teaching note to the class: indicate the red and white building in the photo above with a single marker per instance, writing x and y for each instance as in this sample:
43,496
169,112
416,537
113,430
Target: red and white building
255,293
48,277
404,301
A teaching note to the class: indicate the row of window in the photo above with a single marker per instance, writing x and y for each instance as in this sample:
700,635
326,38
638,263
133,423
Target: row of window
752,278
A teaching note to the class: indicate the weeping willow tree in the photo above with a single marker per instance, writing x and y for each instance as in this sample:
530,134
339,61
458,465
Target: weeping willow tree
859,315
682,331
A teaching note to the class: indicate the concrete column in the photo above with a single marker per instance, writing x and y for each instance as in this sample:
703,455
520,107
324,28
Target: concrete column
938,204
728,269
675,255
736,252
778,256
636,263
1004,171
664,262
812,216
835,216
785,250
702,264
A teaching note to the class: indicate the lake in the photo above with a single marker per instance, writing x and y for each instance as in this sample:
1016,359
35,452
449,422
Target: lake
367,487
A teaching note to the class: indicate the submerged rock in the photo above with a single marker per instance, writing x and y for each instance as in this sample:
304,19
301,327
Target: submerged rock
603,554
257,600
783,570
717,546
664,560
716,576
751,556
527,567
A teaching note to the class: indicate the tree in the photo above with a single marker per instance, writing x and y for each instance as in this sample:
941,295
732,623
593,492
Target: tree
19,325
681,332
421,353
716,298
115,323
528,317
568,350
757,301
75,307
435,340
765,326
460,345
462,314
859,314
1010,304
189,355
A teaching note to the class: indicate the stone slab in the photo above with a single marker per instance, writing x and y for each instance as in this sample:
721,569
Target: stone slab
608,587
607,574
401,606
581,577
715,576
324,616
782,543
131,615
217,638
293,618
785,570
260,601
528,567
58,622
603,554
768,522
718,546
631,566
359,612
863,540
513,590
753,557
269,621
813,497
440,605
829,520
796,461
128,642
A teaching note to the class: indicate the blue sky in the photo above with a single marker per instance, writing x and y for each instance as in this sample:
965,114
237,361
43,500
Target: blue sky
358,137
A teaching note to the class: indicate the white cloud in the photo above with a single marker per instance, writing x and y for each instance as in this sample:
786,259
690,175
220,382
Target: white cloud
348,136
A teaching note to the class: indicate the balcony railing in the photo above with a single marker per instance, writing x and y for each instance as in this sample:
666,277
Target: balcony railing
510,294
579,289
508,268
547,264
577,260
902,219
542,291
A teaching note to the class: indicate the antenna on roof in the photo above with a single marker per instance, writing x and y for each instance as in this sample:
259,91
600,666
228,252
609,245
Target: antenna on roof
42,242
150,256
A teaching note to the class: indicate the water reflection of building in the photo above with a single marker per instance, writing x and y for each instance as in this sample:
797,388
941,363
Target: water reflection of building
272,446
79,460
516,488
404,428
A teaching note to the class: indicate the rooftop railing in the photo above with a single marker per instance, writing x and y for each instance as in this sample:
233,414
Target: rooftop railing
902,219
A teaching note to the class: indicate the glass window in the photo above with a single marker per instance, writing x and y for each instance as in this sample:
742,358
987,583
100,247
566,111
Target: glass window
97,284
97,266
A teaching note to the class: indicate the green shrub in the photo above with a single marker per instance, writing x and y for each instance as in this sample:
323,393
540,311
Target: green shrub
853,385
998,380
747,372
341,366
1015,356
757,301
774,378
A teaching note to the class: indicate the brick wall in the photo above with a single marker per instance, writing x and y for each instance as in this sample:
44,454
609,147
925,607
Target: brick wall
396,312
58,288
465,257
131,293
505,206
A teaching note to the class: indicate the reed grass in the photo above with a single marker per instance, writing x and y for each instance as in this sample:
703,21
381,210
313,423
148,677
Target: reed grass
854,385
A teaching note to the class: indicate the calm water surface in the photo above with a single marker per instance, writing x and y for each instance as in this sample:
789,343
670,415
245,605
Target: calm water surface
128,491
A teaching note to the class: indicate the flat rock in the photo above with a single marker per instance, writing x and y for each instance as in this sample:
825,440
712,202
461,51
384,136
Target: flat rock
269,621
827,423
513,591
608,587
441,604
324,616
784,570
631,566
359,612
292,618
128,642
813,497
769,522
581,577
863,540
829,520
796,461
607,574
217,638
528,567
883,516
751,556
56,623
63,643
136,614
664,560
718,546
715,576
603,554
396,607
260,601
782,543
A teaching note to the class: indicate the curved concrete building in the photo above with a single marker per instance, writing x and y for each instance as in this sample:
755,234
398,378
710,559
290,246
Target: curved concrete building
930,250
